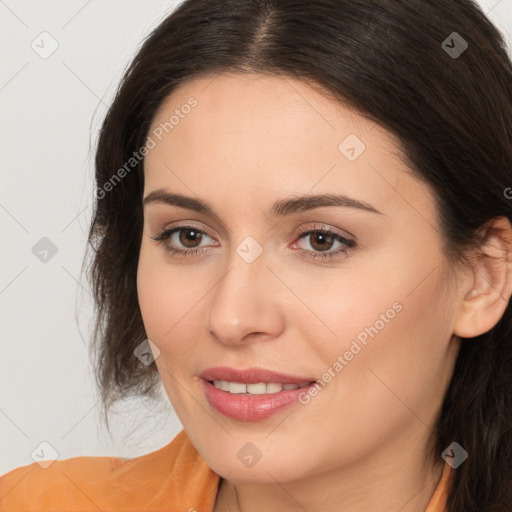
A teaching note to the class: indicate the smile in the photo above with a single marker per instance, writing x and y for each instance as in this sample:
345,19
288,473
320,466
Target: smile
259,388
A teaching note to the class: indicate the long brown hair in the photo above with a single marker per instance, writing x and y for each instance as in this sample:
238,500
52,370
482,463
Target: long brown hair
435,74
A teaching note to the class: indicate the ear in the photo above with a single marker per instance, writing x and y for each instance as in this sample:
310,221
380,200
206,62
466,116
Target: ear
487,286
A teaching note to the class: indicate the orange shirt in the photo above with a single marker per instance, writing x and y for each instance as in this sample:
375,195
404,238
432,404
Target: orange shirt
174,479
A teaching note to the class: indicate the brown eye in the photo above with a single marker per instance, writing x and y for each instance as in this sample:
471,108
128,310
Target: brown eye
321,241
183,240
188,237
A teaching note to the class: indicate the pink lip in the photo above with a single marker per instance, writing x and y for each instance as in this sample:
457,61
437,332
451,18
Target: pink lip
252,376
245,407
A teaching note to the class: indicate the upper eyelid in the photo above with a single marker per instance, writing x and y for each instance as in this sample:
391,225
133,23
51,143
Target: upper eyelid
323,227
347,243
301,217
302,233
188,227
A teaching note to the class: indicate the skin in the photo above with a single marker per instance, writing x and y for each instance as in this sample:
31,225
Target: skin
360,443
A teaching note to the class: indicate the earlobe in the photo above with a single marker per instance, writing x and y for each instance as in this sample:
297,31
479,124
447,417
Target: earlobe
489,287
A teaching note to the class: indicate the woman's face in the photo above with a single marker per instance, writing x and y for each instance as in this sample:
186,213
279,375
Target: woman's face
369,316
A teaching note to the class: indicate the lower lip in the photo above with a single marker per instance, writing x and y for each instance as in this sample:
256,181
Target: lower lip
246,407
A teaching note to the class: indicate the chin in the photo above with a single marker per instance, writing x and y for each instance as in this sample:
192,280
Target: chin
241,462
260,473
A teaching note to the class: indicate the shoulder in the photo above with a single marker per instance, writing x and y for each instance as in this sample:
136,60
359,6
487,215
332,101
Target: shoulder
174,475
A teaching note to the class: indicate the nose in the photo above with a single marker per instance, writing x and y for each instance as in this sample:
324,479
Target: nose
245,304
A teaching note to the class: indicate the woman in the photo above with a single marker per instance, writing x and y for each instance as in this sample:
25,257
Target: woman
302,230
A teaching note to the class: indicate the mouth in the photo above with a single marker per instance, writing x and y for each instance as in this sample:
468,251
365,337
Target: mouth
259,388
252,394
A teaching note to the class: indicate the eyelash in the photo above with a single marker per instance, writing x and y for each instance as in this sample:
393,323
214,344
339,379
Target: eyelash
348,244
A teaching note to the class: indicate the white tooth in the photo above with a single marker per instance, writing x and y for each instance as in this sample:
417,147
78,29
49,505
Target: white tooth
274,387
257,389
224,385
221,384
305,383
237,387
290,386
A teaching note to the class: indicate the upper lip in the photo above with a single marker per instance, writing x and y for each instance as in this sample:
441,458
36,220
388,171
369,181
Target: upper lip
252,376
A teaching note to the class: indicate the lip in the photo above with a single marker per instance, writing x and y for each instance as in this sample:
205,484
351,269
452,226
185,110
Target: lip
252,375
245,407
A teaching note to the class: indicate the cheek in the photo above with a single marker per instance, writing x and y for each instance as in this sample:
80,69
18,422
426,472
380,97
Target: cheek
348,307
387,338
170,307
166,303
401,359
151,287
165,299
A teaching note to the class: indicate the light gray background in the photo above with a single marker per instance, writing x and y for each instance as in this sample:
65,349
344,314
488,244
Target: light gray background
51,109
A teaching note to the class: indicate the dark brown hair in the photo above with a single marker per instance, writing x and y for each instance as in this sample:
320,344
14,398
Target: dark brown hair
388,60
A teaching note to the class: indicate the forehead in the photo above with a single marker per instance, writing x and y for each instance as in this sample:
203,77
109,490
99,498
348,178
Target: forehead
256,137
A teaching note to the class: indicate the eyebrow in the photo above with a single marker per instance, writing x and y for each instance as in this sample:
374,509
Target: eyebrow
282,207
